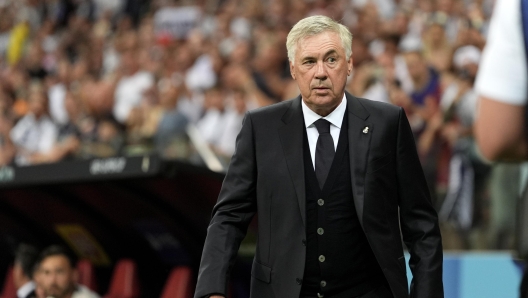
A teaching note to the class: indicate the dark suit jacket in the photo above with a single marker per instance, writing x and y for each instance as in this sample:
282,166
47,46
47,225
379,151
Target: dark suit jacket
266,174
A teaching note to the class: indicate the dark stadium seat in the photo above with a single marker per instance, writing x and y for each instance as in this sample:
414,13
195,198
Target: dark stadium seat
9,290
125,281
87,274
179,284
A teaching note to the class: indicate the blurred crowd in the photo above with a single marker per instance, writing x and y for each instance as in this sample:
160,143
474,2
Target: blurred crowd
99,78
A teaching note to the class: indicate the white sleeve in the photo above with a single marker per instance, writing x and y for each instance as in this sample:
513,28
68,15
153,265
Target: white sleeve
48,136
121,107
18,131
503,70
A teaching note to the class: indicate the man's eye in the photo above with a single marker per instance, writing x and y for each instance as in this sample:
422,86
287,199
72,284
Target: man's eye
332,59
308,62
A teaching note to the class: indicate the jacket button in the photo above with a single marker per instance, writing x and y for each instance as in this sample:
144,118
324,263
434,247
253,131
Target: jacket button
299,281
320,231
322,258
304,242
323,283
320,202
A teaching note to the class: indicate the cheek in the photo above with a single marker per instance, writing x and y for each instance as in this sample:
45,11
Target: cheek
45,281
62,281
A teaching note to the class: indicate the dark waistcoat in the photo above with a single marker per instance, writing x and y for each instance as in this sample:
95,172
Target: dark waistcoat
339,260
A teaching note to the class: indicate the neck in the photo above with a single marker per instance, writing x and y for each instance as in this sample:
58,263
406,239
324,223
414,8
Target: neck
324,111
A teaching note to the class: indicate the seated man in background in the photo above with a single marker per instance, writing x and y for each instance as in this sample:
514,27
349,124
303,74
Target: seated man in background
57,275
25,260
35,134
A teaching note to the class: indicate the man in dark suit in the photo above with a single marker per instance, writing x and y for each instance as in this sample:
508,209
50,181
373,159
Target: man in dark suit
334,178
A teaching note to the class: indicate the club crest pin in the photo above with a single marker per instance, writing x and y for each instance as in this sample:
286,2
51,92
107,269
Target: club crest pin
366,129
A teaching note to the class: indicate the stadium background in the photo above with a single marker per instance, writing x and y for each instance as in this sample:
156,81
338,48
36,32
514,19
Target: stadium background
118,119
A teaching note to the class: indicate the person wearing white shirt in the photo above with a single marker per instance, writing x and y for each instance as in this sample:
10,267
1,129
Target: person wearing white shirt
315,241
502,85
57,275
130,88
35,134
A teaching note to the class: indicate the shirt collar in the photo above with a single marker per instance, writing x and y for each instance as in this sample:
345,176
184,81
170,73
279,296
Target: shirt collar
26,289
335,118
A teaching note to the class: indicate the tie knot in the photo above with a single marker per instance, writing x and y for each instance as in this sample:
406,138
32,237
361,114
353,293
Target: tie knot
322,125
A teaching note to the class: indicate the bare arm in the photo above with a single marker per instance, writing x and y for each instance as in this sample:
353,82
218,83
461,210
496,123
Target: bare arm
499,131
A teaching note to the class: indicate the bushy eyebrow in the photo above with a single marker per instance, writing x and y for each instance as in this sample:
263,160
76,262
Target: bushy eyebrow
330,52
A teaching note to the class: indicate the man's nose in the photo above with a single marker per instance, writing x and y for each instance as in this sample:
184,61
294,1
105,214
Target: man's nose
320,71
53,278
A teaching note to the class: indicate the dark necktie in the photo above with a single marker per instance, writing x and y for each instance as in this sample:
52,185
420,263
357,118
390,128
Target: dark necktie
324,151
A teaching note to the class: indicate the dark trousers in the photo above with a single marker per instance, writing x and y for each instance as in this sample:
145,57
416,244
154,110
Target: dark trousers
380,292
524,284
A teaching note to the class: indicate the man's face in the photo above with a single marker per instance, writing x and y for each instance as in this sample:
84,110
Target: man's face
321,69
37,104
415,66
56,276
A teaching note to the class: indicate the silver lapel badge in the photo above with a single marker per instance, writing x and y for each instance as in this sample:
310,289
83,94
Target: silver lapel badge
366,129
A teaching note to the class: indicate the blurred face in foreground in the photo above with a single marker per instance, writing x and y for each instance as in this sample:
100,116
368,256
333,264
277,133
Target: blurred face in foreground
320,68
57,276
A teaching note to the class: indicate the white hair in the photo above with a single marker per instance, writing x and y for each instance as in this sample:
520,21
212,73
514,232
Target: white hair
315,25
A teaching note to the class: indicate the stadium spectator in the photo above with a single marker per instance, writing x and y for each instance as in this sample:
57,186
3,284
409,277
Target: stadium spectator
130,88
367,82
213,121
108,139
7,149
426,80
35,134
57,92
164,122
25,260
57,275
436,46
235,111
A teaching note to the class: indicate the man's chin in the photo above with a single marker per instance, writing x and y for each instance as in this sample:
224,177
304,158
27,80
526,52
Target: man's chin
54,294
327,100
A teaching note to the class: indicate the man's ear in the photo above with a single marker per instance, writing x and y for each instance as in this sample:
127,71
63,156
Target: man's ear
350,65
291,70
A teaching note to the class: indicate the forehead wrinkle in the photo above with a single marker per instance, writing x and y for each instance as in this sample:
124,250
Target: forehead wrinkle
313,49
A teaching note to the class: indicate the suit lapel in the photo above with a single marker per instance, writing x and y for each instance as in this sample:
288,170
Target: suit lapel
359,142
291,136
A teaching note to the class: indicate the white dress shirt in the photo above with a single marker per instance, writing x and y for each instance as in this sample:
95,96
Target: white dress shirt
24,290
84,292
335,118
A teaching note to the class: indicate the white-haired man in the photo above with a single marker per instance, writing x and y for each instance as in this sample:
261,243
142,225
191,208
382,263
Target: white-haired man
332,177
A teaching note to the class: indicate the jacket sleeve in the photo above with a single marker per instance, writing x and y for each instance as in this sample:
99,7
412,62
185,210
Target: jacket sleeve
418,218
232,214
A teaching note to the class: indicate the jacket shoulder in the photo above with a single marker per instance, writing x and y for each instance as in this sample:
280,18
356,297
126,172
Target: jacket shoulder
372,105
380,110
271,112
